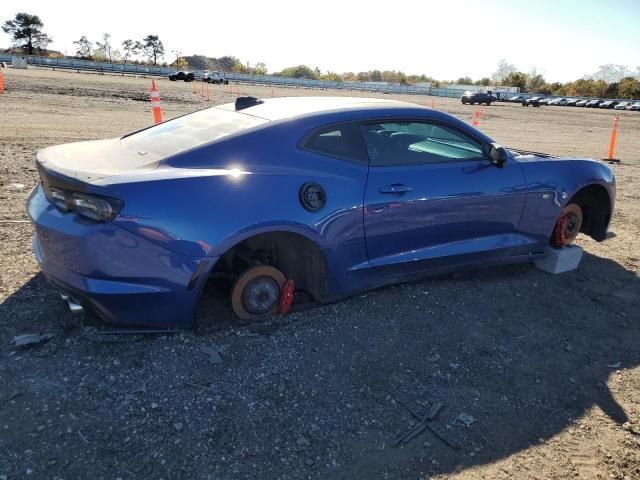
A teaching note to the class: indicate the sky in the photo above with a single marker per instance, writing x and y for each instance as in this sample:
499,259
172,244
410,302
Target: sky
562,39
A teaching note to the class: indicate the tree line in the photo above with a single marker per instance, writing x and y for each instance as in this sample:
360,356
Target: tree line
610,81
103,50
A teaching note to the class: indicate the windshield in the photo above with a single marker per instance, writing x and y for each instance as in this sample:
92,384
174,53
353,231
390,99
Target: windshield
189,131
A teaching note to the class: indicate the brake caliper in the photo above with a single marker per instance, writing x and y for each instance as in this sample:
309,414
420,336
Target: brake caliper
286,297
560,232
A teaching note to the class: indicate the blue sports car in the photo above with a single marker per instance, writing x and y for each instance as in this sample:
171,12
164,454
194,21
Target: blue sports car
331,195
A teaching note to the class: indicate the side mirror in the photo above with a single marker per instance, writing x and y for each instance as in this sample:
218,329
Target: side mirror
498,155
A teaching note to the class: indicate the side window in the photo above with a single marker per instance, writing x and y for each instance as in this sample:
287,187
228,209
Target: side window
415,143
343,141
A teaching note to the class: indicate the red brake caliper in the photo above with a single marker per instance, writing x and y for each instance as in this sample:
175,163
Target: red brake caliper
559,237
286,297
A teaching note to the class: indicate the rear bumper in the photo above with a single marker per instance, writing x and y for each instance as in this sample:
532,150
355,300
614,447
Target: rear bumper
123,278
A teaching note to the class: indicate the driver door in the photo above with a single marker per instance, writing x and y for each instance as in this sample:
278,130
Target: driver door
433,199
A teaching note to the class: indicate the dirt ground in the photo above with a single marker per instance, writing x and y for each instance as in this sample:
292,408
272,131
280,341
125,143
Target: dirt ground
539,375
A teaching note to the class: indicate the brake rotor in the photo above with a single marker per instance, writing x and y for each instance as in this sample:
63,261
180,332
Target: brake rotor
257,292
568,225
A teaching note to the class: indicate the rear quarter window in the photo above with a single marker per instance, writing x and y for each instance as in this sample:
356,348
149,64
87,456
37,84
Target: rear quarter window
342,141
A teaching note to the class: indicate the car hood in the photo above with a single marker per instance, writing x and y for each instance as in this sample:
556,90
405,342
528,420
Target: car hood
95,160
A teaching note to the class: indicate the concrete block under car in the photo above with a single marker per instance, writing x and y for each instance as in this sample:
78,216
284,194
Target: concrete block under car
560,260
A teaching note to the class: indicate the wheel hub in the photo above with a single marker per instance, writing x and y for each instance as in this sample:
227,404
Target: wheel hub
260,295
571,225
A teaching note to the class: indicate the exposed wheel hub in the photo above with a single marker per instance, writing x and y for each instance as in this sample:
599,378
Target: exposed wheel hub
260,295
571,225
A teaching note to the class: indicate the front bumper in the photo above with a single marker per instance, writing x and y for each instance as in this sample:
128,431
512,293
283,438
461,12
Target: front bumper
123,278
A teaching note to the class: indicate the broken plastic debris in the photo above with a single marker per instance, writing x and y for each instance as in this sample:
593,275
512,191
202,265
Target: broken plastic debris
30,339
465,419
214,354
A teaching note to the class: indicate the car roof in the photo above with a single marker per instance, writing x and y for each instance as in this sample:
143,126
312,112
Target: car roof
288,107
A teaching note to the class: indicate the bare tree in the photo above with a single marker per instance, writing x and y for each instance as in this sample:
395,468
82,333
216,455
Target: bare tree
84,47
104,48
504,69
611,73
130,49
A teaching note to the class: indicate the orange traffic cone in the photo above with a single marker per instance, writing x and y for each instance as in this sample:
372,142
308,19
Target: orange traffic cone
612,143
1,82
155,103
433,104
476,122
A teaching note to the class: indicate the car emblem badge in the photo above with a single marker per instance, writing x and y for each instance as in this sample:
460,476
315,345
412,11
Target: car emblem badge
312,197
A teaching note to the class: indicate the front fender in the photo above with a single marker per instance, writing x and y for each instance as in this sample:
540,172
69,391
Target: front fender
551,183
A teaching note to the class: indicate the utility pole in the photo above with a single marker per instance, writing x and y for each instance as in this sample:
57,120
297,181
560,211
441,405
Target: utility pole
177,54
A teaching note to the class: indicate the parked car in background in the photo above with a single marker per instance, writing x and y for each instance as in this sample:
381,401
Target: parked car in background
571,102
516,99
608,104
478,97
622,105
214,77
533,101
634,106
330,196
582,103
182,75
593,103
558,102
546,101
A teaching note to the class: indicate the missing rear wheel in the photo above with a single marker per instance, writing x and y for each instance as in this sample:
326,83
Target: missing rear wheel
257,292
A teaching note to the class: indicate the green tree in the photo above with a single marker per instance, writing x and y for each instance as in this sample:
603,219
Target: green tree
535,82
239,67
515,79
376,76
227,62
153,48
331,77
484,81
84,47
26,33
629,87
464,81
260,69
301,71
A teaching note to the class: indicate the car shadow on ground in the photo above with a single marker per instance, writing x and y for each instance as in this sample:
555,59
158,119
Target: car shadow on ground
515,353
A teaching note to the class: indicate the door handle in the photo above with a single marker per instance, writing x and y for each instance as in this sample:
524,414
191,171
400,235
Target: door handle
395,188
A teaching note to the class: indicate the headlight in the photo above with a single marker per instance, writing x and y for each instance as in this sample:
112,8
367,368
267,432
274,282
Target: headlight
94,207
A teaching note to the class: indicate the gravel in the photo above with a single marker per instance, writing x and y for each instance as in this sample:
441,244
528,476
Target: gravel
543,368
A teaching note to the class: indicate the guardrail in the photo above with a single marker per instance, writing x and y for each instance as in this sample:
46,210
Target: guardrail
269,80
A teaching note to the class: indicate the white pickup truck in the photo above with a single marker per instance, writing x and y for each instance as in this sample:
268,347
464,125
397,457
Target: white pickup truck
214,77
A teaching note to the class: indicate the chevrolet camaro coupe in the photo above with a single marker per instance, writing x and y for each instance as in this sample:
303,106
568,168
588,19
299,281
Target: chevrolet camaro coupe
326,196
